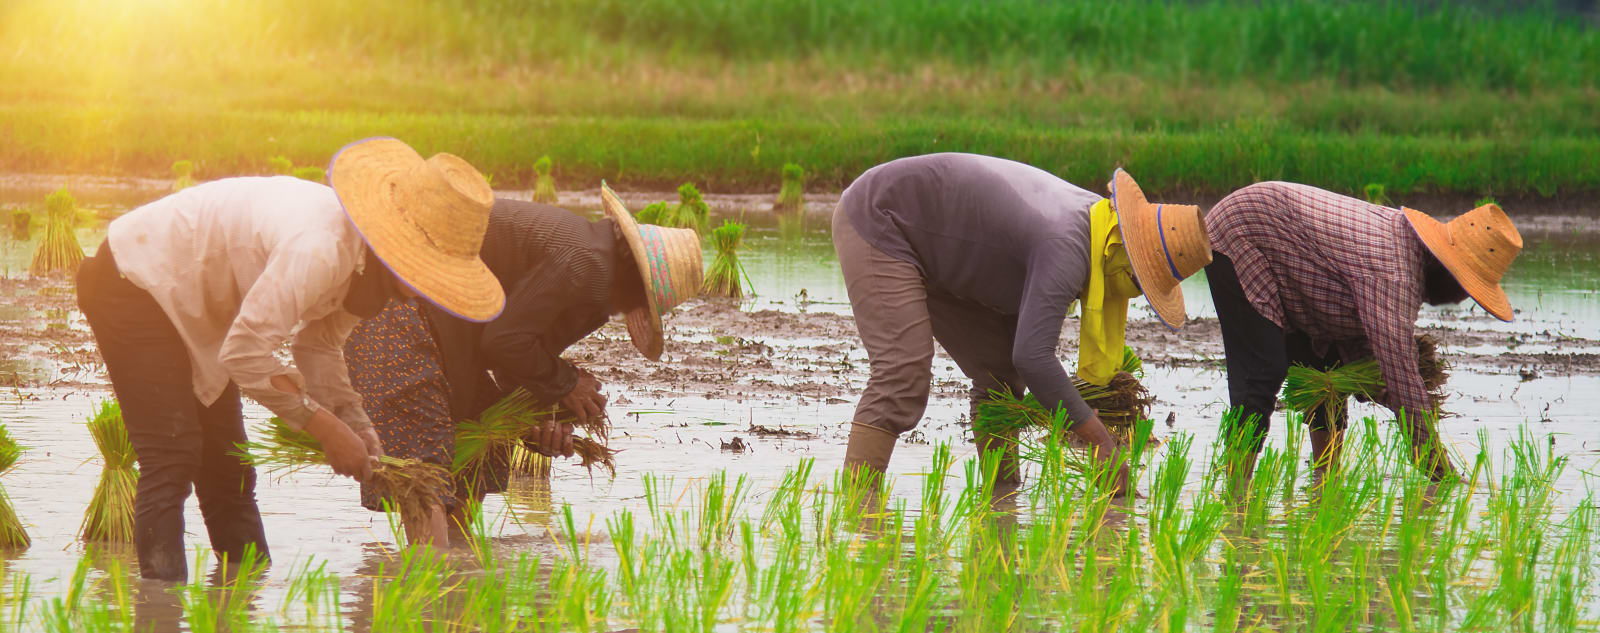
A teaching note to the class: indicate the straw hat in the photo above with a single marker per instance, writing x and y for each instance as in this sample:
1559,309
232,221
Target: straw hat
424,219
1165,242
1477,248
668,260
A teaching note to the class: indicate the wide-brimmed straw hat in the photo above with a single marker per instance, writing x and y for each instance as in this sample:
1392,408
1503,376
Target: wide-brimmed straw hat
1477,248
424,219
1166,243
669,262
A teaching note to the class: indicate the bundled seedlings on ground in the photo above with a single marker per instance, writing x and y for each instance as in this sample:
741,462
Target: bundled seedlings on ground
313,174
651,213
110,515
727,277
1306,389
505,426
280,165
21,225
59,250
12,533
690,212
544,186
182,174
791,198
413,485
1376,194
1122,401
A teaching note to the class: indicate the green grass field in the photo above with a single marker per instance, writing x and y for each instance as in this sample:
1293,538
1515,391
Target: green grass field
1197,97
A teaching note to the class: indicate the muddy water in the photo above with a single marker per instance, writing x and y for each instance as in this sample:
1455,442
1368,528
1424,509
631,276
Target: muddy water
787,359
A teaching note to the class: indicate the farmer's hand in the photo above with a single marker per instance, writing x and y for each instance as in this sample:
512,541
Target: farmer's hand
374,445
346,451
585,399
551,439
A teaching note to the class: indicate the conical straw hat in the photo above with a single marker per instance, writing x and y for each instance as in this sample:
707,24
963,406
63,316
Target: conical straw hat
424,219
669,262
1477,248
1166,243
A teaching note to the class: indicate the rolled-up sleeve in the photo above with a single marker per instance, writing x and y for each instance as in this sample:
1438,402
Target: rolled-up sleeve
1390,327
319,354
514,342
1050,290
294,277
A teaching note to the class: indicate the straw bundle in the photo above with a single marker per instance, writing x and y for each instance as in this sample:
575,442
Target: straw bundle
505,426
544,186
59,250
1306,389
182,175
727,277
1122,401
414,486
12,533
791,198
109,518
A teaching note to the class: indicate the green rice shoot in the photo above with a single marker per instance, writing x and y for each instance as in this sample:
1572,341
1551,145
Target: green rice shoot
59,250
502,428
727,276
182,174
544,187
1121,404
690,212
1306,389
792,196
12,534
109,518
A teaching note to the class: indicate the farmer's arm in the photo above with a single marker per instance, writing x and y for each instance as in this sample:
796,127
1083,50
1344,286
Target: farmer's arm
1390,329
318,351
514,343
1047,294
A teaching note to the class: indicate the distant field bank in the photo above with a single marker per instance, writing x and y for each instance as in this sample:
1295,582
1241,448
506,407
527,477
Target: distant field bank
1482,99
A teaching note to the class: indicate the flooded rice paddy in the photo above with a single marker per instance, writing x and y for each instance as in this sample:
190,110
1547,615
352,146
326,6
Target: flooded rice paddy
694,534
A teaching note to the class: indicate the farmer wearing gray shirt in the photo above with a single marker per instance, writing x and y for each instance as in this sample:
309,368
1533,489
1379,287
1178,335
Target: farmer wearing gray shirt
986,255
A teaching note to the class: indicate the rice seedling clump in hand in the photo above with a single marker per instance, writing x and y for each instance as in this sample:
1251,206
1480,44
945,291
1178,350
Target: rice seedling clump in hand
12,534
1306,389
109,518
727,277
182,175
791,198
414,486
59,250
1123,401
506,425
544,186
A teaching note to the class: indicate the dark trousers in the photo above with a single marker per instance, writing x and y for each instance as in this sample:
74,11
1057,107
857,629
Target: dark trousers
181,443
1259,353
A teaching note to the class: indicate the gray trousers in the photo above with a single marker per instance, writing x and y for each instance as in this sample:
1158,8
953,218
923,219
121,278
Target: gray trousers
899,318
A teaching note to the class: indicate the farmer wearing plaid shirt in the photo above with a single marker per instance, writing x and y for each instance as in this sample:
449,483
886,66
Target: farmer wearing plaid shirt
1302,275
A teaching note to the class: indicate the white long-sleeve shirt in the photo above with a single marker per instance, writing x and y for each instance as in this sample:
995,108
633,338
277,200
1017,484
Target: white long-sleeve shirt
242,265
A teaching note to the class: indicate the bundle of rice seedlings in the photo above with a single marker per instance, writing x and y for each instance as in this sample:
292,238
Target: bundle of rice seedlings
182,174
1122,401
544,186
791,198
21,225
1306,389
651,213
690,212
59,250
280,165
313,174
109,518
505,426
12,534
411,484
727,277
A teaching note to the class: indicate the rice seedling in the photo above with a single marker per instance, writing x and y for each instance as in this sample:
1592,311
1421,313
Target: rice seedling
1122,403
651,213
59,251
544,186
109,517
691,211
1307,389
1375,194
280,165
505,426
792,195
12,534
412,485
182,174
726,277
313,174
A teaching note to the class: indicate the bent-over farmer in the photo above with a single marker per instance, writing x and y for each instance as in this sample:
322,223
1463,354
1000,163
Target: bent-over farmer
191,296
986,256
422,370
1307,276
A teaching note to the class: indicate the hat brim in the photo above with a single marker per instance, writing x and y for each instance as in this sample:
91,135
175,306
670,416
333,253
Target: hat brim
362,175
1141,236
644,323
1435,235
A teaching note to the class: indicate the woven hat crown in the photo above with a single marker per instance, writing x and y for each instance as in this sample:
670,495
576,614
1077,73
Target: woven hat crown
448,201
1487,240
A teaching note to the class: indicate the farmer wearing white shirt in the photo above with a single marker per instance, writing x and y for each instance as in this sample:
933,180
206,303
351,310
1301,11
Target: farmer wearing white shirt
191,296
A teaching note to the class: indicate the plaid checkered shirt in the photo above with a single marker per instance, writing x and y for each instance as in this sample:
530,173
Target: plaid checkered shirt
1343,271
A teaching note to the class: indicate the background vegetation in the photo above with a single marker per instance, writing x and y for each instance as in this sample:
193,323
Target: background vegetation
1479,99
